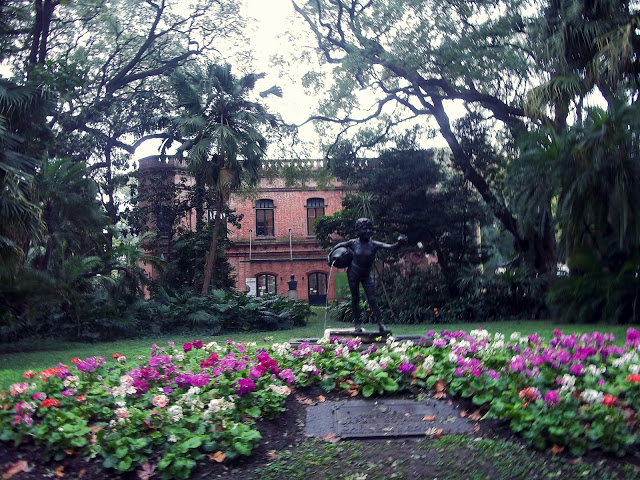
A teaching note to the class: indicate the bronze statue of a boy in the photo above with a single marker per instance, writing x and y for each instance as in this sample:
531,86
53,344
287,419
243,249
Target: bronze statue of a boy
362,255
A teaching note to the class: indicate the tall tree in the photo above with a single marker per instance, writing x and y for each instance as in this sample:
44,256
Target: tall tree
109,62
416,58
220,131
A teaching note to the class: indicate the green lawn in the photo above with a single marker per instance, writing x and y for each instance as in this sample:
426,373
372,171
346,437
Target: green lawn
15,358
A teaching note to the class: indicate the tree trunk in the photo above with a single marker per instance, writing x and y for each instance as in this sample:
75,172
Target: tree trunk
211,255
537,249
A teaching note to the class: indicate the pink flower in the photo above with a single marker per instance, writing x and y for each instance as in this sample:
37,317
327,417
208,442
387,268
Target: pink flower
287,376
160,401
39,396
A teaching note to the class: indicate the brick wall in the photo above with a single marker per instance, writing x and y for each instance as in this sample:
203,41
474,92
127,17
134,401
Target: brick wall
290,251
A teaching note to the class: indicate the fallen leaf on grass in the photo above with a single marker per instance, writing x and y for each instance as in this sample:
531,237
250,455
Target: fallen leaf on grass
146,471
15,468
219,456
428,418
354,393
59,471
321,398
439,395
331,438
439,385
556,449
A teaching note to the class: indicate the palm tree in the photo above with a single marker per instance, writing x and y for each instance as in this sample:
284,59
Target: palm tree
20,215
220,133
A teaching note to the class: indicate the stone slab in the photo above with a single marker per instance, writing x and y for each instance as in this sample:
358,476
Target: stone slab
384,418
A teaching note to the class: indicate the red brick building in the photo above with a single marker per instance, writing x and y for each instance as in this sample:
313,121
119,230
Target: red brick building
277,238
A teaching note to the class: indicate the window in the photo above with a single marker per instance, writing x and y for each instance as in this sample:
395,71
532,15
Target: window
265,284
264,218
317,288
315,209
211,216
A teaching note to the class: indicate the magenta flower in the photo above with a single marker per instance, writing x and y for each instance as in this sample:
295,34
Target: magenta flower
406,368
245,386
197,344
576,369
551,399
187,347
633,338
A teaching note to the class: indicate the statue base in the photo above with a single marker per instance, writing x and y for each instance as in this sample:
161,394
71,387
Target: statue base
366,336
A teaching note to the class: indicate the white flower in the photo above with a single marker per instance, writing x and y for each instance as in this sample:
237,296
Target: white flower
178,357
372,366
515,336
453,358
122,359
479,334
308,367
282,349
591,396
634,369
172,439
385,359
568,383
629,357
428,362
126,380
175,413
193,391
595,370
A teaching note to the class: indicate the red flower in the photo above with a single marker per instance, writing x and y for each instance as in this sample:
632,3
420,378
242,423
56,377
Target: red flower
29,374
634,378
75,360
116,355
81,398
50,402
609,400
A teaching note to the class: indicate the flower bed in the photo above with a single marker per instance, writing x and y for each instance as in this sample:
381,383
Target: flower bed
197,401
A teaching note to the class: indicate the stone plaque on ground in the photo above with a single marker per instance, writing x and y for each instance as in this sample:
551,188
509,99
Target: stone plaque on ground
384,418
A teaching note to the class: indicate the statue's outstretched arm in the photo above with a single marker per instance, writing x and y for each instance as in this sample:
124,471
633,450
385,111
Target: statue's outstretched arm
402,240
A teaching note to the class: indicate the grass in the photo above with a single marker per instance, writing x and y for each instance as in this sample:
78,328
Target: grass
39,354
451,457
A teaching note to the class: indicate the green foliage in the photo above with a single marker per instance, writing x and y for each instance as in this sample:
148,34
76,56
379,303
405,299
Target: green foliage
221,311
593,294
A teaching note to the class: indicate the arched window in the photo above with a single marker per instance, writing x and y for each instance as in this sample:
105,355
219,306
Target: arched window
317,288
264,218
266,284
315,209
